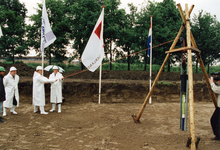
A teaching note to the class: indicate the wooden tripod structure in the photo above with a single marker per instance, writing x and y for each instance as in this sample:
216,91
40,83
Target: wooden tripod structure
191,47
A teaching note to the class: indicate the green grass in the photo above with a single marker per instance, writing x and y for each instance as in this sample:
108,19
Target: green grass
123,66
71,68
10,62
67,68
34,65
138,67
164,82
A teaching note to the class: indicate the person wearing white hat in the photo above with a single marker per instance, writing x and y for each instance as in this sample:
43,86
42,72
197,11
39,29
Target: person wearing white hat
38,89
11,91
56,90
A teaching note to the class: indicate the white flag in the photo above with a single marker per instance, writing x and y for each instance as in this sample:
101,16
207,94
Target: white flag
94,52
47,36
1,34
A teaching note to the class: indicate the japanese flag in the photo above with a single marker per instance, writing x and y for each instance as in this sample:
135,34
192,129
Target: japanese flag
94,51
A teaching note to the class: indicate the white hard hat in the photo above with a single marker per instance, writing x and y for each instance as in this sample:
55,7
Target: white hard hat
55,67
39,68
12,68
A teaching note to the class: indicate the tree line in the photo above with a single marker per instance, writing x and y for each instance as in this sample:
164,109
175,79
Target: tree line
124,33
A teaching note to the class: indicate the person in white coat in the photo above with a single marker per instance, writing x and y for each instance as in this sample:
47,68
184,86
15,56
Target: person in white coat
56,90
11,90
38,89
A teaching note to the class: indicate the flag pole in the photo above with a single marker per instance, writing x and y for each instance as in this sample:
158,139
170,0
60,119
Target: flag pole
42,63
42,48
1,34
47,35
150,100
100,78
100,68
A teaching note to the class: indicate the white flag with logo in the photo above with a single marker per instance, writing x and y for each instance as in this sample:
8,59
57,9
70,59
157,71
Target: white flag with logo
1,34
47,36
94,52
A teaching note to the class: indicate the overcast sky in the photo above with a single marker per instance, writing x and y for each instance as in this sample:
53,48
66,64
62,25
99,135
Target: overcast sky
211,6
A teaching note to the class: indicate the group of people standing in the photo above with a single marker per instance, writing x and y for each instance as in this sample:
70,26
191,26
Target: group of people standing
9,95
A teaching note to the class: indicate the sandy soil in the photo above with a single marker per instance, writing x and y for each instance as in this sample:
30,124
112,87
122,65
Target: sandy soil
90,126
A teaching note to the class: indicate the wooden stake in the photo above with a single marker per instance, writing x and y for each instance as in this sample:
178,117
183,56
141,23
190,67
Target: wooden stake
214,100
183,48
137,119
154,84
189,47
191,8
190,79
182,14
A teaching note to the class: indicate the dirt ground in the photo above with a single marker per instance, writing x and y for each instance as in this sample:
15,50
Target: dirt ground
86,125
92,126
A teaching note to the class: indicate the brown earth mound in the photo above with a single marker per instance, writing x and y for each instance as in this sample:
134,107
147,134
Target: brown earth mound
116,91
24,70
129,75
117,86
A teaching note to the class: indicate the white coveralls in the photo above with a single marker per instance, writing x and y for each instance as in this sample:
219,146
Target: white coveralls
11,90
38,90
56,91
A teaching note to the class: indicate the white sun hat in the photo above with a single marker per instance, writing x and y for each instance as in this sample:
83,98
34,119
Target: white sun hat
55,67
12,68
39,68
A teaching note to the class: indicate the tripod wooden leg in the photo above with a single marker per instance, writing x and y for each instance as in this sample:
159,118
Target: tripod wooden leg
149,94
190,79
204,72
158,75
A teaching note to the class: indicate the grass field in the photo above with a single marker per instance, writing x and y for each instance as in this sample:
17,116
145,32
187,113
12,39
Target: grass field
123,66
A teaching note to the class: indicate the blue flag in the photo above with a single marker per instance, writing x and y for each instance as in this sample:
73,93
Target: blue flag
149,41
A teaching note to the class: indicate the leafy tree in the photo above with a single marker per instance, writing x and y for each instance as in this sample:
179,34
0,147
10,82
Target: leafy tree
84,16
166,24
12,18
206,31
115,20
59,21
128,36
141,28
